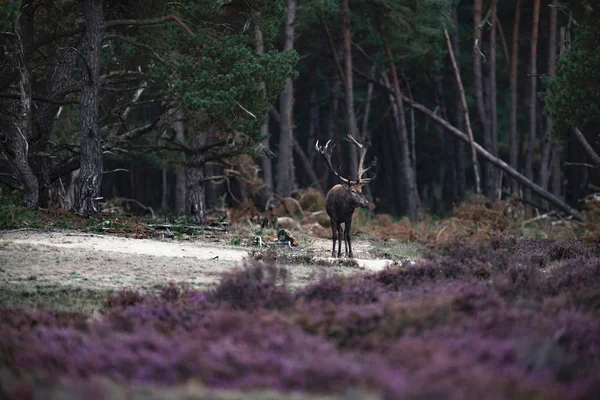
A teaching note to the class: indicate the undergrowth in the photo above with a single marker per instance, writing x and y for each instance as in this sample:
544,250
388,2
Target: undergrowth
509,318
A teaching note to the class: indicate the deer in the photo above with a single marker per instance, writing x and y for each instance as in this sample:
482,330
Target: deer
343,198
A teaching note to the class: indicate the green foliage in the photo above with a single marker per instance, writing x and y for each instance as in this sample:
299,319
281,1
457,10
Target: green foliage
12,214
414,29
9,12
573,96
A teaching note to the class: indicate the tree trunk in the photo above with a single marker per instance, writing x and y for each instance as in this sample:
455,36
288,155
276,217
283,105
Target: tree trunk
532,97
489,182
331,126
314,131
547,147
19,135
587,146
90,176
465,110
46,116
409,175
165,189
556,182
399,182
513,143
180,180
314,179
349,88
265,159
459,146
285,165
195,185
493,113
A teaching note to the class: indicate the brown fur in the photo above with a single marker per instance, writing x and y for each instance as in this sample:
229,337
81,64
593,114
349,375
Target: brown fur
340,203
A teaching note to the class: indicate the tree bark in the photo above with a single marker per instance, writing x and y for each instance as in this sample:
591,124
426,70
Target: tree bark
90,176
489,183
165,189
314,126
19,135
331,125
399,183
531,139
465,110
314,179
285,165
180,180
513,143
413,202
459,146
46,116
547,148
497,186
194,176
587,146
265,159
349,89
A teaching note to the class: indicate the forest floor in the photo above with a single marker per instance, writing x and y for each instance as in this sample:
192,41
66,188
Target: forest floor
36,262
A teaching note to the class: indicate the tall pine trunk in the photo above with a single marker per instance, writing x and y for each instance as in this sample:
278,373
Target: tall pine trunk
489,183
495,185
265,158
285,165
408,173
531,138
90,175
349,89
194,177
334,106
19,134
513,143
459,119
180,181
548,147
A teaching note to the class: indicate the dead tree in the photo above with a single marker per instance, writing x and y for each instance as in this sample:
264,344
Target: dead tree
344,198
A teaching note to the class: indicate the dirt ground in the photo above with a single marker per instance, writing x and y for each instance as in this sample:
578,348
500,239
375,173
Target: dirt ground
33,259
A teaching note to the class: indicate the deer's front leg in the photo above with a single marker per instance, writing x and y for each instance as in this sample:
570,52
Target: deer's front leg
348,225
334,231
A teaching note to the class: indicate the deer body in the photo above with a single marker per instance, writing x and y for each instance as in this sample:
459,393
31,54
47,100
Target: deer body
340,203
344,198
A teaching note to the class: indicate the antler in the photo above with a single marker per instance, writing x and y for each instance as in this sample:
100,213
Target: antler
363,152
326,152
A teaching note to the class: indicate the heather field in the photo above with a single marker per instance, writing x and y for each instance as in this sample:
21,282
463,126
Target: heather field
504,318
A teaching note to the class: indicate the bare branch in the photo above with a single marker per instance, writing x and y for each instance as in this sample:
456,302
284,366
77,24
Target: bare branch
40,98
465,111
588,148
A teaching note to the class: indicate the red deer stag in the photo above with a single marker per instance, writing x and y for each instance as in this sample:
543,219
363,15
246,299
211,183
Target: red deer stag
344,198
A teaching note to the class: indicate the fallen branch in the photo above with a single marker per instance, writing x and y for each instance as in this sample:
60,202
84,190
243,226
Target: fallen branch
552,199
539,217
186,227
586,145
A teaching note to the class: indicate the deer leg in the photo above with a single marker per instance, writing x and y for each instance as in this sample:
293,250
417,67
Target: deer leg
340,238
334,230
348,225
345,241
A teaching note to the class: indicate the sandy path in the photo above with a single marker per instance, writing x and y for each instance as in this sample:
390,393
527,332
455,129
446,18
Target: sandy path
34,259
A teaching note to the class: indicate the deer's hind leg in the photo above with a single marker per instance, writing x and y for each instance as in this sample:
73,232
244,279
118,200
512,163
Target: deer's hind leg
347,227
334,230
340,238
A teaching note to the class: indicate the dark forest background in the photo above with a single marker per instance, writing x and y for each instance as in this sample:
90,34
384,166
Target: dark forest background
187,106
